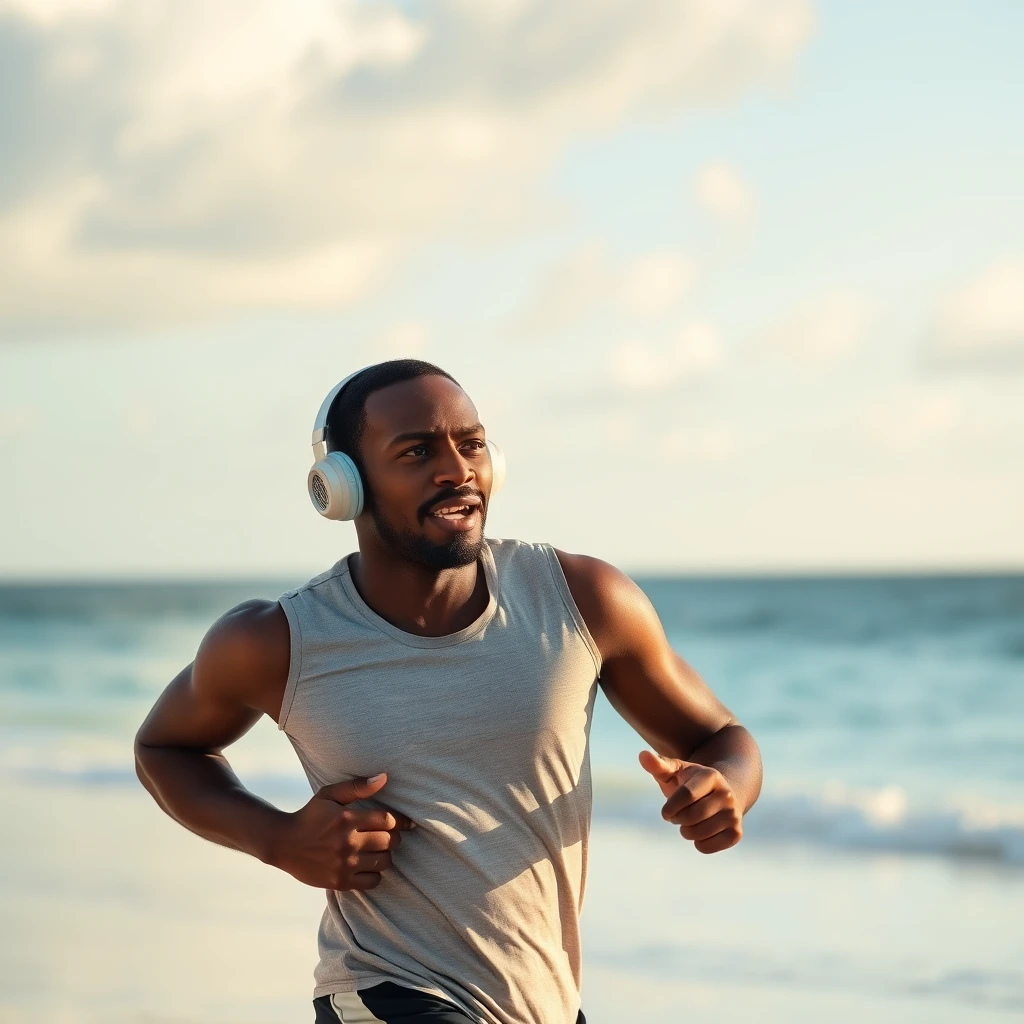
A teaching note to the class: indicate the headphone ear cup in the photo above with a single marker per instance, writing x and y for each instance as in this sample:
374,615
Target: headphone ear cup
335,487
497,466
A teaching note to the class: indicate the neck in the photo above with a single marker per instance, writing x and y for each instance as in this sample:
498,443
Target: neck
417,599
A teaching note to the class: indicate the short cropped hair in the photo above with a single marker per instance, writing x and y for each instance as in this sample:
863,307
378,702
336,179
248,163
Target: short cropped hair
346,418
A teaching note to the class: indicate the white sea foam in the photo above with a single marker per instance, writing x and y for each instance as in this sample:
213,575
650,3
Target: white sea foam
836,816
848,818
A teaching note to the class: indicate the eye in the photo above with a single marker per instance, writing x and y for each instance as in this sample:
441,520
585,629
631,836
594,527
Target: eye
476,442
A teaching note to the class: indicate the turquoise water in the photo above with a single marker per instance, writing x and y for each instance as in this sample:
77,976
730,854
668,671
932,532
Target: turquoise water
889,711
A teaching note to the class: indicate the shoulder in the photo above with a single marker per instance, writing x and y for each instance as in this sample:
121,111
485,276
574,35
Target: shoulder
245,654
617,612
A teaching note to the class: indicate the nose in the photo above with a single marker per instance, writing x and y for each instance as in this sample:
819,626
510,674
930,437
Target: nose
453,468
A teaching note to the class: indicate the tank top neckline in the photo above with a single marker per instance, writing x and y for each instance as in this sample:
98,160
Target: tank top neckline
413,639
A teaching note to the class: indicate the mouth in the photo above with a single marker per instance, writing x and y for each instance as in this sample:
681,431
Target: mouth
458,522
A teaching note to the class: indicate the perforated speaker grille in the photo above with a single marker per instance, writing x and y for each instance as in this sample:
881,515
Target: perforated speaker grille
320,495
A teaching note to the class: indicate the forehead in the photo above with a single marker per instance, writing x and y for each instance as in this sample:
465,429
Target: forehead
425,403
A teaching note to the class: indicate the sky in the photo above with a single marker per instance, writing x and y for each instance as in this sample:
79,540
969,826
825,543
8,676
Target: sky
738,286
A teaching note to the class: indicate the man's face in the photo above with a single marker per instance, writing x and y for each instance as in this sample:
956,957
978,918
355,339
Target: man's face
410,477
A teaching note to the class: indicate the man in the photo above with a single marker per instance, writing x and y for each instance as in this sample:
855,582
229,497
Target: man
438,687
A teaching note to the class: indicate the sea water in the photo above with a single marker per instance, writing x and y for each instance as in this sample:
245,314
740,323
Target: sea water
889,711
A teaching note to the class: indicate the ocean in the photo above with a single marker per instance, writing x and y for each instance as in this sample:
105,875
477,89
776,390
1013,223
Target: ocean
889,713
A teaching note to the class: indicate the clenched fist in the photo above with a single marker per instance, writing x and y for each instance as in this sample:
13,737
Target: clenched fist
331,846
700,801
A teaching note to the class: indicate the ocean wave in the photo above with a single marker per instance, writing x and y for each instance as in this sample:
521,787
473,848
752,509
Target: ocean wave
105,763
846,818
836,816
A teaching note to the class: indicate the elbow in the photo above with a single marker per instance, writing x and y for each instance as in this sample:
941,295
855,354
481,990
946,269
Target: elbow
140,761
139,770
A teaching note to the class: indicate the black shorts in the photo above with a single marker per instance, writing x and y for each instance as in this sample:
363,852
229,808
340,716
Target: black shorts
393,1004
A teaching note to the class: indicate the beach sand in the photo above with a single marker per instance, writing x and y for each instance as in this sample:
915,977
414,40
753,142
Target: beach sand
113,913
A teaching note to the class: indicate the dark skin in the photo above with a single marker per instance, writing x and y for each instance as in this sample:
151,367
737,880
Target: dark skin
427,581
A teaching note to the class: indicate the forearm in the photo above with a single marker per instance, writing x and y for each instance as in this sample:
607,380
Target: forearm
733,752
200,791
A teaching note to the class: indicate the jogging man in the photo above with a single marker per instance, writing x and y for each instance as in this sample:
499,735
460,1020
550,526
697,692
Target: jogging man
438,688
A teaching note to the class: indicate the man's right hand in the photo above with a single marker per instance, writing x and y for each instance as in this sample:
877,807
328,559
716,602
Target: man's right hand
331,846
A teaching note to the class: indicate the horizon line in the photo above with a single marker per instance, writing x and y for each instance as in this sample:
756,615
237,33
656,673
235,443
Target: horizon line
703,572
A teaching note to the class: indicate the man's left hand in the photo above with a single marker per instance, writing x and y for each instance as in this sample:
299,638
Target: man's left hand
700,801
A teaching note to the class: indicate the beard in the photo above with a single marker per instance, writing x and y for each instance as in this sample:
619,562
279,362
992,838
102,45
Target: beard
460,549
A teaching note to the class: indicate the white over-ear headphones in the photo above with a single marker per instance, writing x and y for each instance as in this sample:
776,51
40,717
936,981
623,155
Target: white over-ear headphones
334,484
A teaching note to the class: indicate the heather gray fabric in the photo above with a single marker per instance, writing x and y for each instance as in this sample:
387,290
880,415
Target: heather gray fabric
484,734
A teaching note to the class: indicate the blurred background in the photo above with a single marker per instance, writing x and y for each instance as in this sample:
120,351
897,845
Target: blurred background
738,286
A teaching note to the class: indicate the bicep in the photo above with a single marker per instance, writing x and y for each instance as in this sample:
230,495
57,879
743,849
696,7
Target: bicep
192,713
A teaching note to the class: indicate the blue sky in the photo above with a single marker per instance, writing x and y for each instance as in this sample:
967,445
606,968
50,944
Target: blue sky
736,286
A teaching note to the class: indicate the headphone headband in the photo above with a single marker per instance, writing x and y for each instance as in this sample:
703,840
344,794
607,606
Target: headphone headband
319,441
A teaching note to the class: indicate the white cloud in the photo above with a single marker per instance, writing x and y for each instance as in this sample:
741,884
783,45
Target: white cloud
407,339
719,189
699,444
623,431
638,365
819,332
908,418
981,324
588,280
643,366
49,12
697,348
168,159
656,283
569,289
150,286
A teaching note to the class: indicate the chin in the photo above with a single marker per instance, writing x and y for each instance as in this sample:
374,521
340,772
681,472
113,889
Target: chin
460,551
417,546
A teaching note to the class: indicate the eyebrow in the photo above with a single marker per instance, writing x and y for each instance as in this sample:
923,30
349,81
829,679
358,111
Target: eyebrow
433,435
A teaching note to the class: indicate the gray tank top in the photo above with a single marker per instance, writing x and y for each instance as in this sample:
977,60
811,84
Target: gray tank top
484,734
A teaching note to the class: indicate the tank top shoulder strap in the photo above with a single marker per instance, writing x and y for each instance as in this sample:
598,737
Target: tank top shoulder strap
534,565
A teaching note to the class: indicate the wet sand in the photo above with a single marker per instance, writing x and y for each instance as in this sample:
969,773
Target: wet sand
113,913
